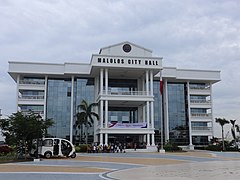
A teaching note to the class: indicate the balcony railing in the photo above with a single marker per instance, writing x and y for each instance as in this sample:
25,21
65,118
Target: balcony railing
200,87
31,82
201,115
126,93
200,101
27,112
201,128
31,97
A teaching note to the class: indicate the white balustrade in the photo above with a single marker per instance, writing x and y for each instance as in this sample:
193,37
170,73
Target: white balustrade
128,93
203,115
198,101
201,128
31,97
31,82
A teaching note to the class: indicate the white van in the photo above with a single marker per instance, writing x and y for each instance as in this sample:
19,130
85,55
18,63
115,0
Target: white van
55,147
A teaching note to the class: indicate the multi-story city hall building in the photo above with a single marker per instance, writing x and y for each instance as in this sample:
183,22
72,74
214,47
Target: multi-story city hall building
133,106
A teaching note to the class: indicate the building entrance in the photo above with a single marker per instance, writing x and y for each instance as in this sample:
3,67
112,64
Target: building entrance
129,140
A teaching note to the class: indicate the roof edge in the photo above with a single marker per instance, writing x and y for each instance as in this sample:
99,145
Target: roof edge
125,42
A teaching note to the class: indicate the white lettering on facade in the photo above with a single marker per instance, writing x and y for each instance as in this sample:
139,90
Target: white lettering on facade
127,61
110,60
134,61
151,62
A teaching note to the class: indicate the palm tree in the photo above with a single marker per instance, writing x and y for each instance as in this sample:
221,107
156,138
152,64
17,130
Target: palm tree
237,130
85,116
222,122
233,129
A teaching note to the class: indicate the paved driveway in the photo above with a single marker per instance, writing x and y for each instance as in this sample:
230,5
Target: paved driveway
191,165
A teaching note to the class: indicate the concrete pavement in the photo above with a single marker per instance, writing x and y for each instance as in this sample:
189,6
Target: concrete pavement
214,170
186,165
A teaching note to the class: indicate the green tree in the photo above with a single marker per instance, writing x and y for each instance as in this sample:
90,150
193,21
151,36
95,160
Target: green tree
85,116
233,129
20,129
238,128
222,122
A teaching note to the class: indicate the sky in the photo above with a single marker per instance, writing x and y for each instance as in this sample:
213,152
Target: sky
188,34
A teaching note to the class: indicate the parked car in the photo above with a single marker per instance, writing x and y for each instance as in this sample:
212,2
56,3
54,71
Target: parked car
53,147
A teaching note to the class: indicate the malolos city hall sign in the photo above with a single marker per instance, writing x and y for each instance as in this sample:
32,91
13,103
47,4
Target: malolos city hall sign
114,61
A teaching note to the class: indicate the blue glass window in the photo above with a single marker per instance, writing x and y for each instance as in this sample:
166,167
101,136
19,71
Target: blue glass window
83,90
59,107
177,111
157,111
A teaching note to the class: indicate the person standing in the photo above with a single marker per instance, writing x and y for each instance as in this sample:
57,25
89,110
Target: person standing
135,146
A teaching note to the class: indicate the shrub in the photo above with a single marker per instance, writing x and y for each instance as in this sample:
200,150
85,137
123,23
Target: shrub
171,147
200,147
214,148
5,149
229,148
77,148
81,148
218,147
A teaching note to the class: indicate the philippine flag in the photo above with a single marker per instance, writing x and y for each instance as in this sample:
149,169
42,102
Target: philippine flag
161,84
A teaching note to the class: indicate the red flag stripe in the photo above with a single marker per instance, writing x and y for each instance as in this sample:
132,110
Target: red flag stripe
161,83
161,86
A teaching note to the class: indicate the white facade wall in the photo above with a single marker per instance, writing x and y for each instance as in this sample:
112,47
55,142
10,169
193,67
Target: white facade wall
138,64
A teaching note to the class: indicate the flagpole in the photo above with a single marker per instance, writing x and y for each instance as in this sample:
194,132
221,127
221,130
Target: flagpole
161,108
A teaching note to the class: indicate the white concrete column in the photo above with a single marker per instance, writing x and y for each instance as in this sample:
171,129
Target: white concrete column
152,122
148,117
148,139
144,112
101,139
101,113
45,97
145,138
143,106
101,81
151,83
17,95
152,114
189,115
106,113
106,139
148,123
211,100
153,140
143,84
165,108
96,125
71,119
106,81
147,82
96,82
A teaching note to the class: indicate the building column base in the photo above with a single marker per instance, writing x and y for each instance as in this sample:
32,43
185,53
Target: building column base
191,147
162,151
151,148
37,160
